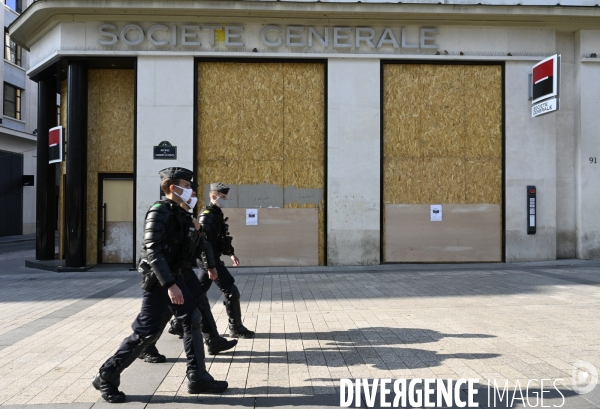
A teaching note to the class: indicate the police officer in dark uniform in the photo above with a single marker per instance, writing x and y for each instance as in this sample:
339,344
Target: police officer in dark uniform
168,247
214,225
215,343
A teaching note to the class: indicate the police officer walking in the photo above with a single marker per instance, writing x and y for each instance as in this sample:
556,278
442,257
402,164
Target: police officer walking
168,247
214,342
214,225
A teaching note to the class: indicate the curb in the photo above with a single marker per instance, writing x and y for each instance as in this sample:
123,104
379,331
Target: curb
15,240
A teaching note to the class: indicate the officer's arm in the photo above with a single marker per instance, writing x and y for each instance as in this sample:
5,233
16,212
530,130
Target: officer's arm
155,227
208,255
205,218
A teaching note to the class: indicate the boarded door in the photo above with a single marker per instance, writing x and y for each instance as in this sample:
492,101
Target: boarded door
261,131
442,146
117,221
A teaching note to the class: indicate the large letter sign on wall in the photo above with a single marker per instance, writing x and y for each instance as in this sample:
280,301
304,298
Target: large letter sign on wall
545,80
55,145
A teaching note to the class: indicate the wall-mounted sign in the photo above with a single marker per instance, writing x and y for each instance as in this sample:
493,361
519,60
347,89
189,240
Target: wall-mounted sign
436,213
286,38
545,84
165,150
251,217
55,145
28,180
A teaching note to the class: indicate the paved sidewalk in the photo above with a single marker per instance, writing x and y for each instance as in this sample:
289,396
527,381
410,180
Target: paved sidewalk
512,322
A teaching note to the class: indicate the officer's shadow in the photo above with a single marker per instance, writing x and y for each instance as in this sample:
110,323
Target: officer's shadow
379,347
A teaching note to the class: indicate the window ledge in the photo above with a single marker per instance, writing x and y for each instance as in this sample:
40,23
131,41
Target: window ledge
15,65
10,118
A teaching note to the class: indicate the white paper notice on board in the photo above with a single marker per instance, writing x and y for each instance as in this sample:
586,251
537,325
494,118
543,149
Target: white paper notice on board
251,217
436,213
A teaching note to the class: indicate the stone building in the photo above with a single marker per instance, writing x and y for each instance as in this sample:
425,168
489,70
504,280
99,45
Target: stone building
363,132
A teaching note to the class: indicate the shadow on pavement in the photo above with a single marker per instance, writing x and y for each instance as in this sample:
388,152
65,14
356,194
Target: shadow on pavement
382,348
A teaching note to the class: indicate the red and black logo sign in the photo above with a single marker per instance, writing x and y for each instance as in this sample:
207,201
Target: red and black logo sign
545,78
55,145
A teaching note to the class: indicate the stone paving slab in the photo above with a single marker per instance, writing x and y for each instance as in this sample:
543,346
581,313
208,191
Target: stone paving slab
314,326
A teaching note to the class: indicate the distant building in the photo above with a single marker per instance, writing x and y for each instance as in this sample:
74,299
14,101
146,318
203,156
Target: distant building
17,133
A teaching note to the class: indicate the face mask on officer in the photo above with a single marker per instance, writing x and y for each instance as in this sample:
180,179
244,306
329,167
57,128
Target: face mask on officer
186,195
191,204
219,201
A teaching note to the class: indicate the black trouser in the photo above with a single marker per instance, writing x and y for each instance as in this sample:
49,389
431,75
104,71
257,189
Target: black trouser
150,322
191,281
224,282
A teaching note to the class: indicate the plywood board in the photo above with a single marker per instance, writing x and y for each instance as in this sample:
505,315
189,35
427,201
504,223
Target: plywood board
467,232
110,120
272,132
283,237
442,133
110,138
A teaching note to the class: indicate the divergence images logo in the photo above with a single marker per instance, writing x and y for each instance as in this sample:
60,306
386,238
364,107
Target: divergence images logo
584,377
544,79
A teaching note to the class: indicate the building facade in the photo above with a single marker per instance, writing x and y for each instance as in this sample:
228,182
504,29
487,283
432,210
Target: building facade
17,134
350,133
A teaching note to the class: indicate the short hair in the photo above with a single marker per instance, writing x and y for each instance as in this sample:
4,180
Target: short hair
166,183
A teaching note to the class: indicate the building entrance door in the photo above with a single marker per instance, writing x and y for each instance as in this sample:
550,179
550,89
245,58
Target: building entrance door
11,194
116,219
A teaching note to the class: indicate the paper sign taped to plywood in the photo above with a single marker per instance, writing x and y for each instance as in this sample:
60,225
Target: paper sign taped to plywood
251,217
436,213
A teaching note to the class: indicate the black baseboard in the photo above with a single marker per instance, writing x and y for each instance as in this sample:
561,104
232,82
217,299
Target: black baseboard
58,266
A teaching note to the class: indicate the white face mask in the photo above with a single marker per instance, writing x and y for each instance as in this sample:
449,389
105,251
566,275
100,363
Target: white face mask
185,196
219,201
191,204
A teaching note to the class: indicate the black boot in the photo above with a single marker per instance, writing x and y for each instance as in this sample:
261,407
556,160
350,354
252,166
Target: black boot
204,383
108,379
234,311
109,390
216,344
239,331
152,356
176,328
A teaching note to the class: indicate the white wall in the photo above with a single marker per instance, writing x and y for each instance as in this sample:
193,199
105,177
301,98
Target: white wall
587,126
353,170
164,112
530,148
566,235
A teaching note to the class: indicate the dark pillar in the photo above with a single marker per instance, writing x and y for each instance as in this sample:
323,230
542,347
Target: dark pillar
75,193
45,214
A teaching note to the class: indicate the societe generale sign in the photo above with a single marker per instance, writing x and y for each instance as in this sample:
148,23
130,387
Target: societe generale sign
545,84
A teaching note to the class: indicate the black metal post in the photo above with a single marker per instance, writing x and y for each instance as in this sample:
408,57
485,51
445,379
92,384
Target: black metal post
75,193
45,214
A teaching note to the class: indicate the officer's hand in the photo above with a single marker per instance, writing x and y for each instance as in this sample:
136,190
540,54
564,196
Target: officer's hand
197,224
212,273
175,294
236,261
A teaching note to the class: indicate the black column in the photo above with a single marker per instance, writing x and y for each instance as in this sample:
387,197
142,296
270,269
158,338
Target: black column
45,209
75,193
